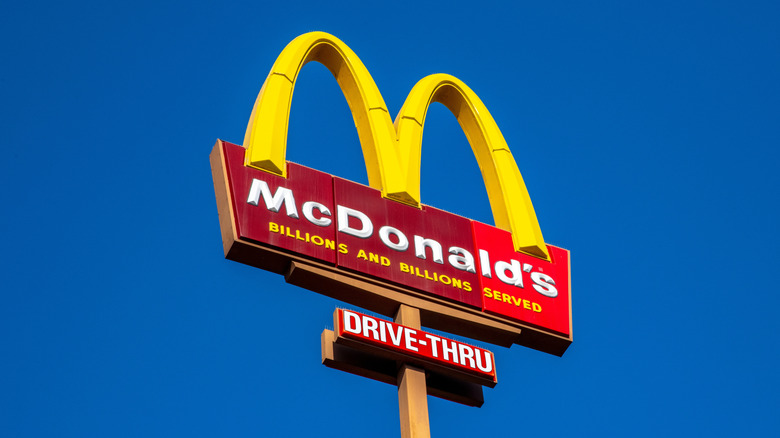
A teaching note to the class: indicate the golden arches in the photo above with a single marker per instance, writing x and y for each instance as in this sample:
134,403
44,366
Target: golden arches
392,152
509,199
266,133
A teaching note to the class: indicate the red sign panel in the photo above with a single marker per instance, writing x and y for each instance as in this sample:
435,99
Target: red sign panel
351,226
416,343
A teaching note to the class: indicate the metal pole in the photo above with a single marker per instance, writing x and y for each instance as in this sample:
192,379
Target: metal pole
412,393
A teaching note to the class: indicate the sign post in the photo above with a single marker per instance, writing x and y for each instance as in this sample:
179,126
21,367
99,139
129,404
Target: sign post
412,394
380,248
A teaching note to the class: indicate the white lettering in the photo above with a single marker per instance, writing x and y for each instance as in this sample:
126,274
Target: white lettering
484,263
461,259
370,325
487,366
466,353
544,284
351,322
309,206
384,235
395,336
447,350
343,215
273,203
434,345
383,330
410,338
516,279
419,249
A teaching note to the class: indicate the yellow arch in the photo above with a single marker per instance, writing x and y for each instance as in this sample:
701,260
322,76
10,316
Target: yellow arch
266,133
392,152
509,199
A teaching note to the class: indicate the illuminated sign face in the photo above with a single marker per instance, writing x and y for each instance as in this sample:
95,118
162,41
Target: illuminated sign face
426,249
273,212
418,345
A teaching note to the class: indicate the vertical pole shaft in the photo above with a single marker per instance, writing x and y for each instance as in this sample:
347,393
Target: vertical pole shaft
412,392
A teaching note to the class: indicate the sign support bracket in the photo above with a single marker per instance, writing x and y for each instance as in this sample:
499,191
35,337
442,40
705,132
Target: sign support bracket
412,389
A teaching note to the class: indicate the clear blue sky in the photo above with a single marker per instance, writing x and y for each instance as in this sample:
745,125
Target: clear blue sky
647,134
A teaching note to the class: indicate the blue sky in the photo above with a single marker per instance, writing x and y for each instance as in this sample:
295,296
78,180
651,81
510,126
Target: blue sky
647,134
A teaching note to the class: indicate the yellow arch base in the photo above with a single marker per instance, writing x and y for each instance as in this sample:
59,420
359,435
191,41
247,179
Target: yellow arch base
393,151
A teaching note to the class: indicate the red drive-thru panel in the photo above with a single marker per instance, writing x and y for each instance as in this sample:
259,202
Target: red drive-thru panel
521,286
426,249
416,344
293,213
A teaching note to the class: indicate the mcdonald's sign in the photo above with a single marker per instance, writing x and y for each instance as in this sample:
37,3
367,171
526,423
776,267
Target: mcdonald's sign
378,246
